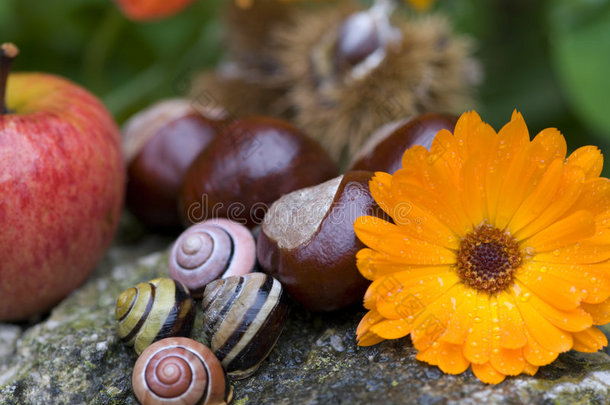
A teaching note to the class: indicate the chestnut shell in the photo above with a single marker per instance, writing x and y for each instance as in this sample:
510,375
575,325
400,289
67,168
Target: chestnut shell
321,273
156,173
247,167
386,154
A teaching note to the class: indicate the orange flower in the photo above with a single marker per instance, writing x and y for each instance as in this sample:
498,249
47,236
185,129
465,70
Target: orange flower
145,10
420,5
498,257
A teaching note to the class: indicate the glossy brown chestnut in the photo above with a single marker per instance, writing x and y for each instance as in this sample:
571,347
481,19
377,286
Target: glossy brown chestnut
247,167
160,144
383,151
308,242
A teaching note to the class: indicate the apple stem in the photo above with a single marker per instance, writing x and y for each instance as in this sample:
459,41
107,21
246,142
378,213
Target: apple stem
8,53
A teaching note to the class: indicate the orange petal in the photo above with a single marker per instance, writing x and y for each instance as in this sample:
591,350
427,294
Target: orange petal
487,373
568,193
530,369
589,158
473,135
599,312
387,238
579,253
429,355
460,318
380,186
535,354
478,341
543,331
513,139
563,294
576,227
589,279
373,265
431,323
391,329
473,192
451,359
595,197
574,320
445,145
410,295
516,184
508,361
590,340
364,335
547,146
512,334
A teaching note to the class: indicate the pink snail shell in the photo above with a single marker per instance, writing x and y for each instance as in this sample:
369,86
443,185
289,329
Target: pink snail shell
216,248
180,371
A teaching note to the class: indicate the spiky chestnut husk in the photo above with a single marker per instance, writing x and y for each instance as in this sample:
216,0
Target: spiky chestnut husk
427,69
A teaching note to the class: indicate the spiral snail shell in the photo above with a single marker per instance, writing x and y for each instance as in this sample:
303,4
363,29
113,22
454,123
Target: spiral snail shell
243,318
180,371
152,311
210,250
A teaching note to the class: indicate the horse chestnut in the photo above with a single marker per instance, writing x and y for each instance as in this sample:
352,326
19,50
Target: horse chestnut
251,164
384,149
308,243
160,144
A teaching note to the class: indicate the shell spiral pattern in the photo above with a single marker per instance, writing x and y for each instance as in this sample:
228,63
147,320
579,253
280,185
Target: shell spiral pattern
152,311
243,318
210,250
180,371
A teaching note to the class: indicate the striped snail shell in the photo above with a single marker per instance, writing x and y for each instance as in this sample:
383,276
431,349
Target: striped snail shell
152,311
243,318
210,250
180,371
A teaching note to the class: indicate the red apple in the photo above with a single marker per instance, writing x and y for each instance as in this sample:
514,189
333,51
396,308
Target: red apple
144,10
61,188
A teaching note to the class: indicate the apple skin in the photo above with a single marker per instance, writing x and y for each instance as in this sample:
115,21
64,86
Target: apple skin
145,10
62,181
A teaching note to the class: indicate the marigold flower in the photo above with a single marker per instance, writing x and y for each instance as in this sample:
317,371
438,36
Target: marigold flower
498,257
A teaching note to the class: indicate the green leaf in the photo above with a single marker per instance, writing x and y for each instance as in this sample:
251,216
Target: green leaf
580,49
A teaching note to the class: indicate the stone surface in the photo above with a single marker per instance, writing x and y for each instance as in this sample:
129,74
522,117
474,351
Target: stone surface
74,356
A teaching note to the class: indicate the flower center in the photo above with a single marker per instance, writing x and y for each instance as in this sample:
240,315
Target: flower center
487,259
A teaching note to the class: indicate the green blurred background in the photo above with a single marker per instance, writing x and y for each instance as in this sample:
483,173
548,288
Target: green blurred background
548,59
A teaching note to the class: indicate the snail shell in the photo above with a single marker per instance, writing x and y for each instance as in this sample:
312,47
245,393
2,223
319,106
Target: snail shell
210,250
243,318
180,371
152,311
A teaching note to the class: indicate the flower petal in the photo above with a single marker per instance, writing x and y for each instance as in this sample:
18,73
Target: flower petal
363,333
535,354
590,340
388,238
508,361
487,373
478,341
563,294
569,230
512,333
552,206
589,158
543,331
451,359
429,355
380,186
530,369
513,139
391,329
574,320
460,318
599,312
373,265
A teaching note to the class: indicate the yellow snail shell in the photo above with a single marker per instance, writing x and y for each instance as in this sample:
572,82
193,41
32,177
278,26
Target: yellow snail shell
243,318
180,371
152,311
210,250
